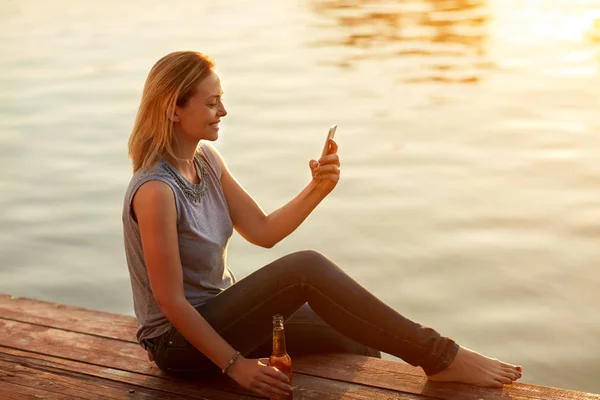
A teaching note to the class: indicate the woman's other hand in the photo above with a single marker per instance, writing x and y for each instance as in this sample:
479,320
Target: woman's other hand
326,171
254,374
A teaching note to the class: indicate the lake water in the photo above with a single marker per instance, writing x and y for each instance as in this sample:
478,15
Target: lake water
468,133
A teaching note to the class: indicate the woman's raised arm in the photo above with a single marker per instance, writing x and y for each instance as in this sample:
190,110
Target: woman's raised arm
250,221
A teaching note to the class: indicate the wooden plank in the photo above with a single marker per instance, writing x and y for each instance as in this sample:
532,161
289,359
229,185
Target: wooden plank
73,383
75,346
79,347
131,379
385,374
71,318
353,369
307,387
11,391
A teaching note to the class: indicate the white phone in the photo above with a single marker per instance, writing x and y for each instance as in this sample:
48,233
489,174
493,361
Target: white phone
330,135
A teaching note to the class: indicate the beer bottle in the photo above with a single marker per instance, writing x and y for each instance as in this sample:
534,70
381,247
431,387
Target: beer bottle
280,358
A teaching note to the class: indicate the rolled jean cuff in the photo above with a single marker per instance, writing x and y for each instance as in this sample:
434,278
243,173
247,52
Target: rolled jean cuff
438,363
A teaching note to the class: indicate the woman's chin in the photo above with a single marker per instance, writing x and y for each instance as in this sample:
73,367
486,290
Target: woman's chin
211,135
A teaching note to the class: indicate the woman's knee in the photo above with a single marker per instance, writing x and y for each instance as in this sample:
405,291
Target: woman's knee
309,266
307,259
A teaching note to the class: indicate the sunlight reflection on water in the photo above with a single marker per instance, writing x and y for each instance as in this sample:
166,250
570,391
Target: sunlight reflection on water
468,132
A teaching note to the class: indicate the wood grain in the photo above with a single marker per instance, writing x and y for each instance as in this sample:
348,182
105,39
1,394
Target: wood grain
103,346
66,376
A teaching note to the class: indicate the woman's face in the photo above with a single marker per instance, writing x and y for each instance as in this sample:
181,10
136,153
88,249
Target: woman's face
199,118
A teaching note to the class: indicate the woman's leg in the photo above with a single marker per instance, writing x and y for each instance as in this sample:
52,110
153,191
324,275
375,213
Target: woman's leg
307,333
243,313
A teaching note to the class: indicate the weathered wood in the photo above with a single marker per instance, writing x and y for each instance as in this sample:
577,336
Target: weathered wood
103,346
133,380
44,340
70,318
75,346
11,391
385,374
75,384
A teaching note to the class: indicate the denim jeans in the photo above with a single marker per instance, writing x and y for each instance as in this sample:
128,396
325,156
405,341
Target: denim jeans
299,285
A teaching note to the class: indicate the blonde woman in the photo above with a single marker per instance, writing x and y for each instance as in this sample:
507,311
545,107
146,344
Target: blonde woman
195,318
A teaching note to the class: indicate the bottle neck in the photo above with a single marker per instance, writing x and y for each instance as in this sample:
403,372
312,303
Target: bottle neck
279,342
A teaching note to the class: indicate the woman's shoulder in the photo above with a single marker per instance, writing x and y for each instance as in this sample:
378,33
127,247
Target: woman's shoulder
157,172
154,179
212,156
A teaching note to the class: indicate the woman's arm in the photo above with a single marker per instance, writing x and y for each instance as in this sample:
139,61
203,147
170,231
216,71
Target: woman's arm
264,230
154,207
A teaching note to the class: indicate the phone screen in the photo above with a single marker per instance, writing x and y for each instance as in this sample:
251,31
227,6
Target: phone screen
330,135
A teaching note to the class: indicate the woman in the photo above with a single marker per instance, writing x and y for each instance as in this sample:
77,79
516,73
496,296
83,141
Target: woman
180,210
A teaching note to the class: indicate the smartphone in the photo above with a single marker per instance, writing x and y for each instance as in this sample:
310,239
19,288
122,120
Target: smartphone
330,135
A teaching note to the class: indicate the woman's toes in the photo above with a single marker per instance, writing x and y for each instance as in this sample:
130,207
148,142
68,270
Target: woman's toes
504,379
512,374
495,384
515,374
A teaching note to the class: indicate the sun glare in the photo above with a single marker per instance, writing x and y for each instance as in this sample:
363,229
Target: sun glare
530,21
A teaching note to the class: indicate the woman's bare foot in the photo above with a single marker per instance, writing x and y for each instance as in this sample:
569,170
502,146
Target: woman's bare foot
475,369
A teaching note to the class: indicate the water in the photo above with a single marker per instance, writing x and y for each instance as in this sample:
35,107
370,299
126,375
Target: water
468,133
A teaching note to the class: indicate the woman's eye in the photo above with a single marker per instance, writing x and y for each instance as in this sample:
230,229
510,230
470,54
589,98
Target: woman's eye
212,105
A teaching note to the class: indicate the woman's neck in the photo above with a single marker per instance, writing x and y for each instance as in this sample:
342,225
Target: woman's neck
184,152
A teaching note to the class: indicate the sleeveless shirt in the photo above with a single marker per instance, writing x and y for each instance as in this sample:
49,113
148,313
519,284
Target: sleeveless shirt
204,228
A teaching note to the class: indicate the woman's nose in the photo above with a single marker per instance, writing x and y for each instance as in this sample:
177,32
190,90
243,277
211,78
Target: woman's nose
222,110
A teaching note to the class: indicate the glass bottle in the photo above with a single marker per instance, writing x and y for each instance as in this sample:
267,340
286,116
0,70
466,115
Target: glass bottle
280,358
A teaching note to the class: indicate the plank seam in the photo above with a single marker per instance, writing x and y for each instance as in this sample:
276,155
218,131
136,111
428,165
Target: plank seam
68,330
31,362
167,377
43,390
363,384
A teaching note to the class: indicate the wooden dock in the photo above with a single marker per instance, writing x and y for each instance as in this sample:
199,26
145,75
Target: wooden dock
54,351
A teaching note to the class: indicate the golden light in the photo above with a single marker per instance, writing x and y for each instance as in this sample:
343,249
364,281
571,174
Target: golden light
534,21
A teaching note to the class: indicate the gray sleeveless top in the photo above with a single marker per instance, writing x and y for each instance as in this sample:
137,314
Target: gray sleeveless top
204,228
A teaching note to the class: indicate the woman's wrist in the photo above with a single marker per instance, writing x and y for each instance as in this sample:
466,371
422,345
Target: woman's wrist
316,190
234,369
231,361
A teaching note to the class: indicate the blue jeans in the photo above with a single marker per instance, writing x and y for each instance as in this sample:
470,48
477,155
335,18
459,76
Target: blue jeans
341,316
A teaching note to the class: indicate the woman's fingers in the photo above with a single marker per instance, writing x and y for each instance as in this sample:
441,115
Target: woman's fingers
326,172
326,169
330,159
275,386
277,380
331,177
272,374
269,387
276,374
333,147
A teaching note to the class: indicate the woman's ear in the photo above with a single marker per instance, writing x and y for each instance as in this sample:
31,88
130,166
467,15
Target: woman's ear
173,114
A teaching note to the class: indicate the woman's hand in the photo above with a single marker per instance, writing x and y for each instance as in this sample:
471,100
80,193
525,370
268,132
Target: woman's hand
255,375
326,171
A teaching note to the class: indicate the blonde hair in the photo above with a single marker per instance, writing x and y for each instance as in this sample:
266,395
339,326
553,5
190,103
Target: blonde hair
170,82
